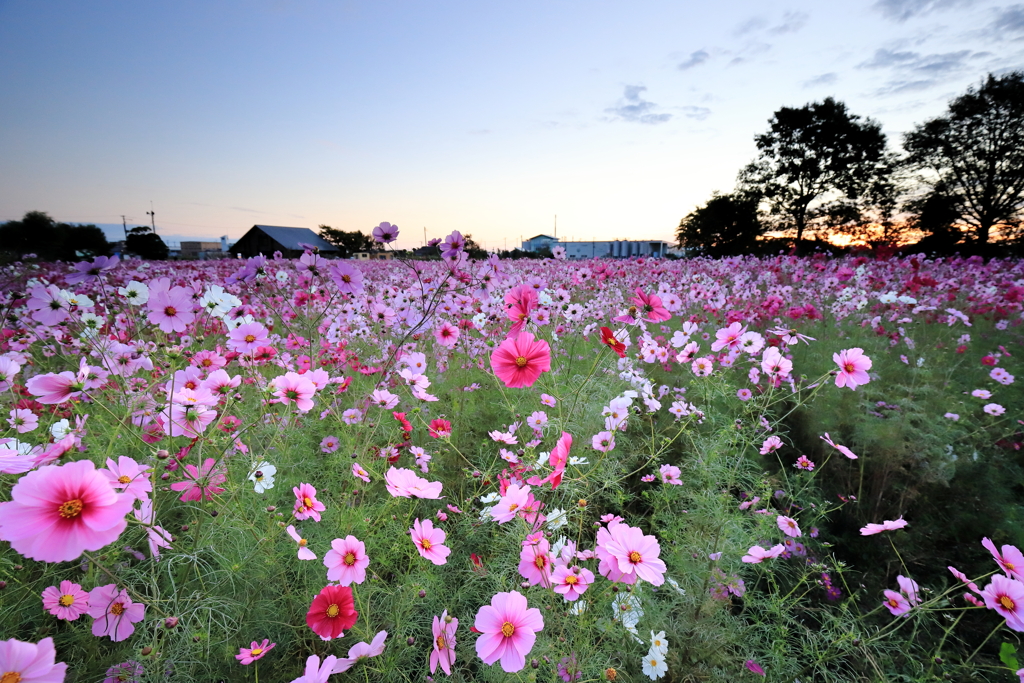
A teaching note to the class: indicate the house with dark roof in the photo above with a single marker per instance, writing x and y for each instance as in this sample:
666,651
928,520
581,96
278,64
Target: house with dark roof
266,239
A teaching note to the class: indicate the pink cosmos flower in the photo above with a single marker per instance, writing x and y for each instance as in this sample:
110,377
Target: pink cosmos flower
608,565
385,233
317,672
304,552
8,369
332,612
519,362
404,483
113,612
68,602
201,483
31,662
772,443
728,337
291,387
446,334
571,582
443,652
429,541
247,338
603,441
359,472
54,388
171,309
129,477
59,511
853,368
509,629
548,400
994,409
558,459
306,504
361,650
757,554
346,561
1011,560
248,655
440,429
803,463
23,420
156,535
842,449
1006,596
788,526
651,306
383,398
636,553
511,504
670,475
887,525
535,562
348,278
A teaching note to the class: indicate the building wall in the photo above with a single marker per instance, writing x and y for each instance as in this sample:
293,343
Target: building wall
614,249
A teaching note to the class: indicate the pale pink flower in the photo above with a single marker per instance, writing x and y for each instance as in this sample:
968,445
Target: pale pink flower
383,398
994,409
842,449
443,652
446,334
171,309
636,553
772,443
756,554
247,338
670,475
346,561
317,672
1010,560
113,612
358,471
511,504
509,629
404,483
571,582
304,552
603,441
59,511
31,662
429,541
23,420
853,368
55,388
535,562
128,476
887,525
788,526
67,602
361,650
291,387
548,400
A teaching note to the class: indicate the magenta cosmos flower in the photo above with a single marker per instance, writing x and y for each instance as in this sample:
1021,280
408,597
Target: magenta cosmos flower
558,459
636,553
1006,596
853,368
346,561
443,652
248,655
509,629
114,612
306,504
59,511
429,541
385,233
201,483
519,362
571,582
332,612
67,602
30,662
1010,560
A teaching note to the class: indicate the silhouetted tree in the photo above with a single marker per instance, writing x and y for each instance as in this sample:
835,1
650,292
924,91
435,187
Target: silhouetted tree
349,242
728,224
37,233
474,250
976,153
146,243
815,162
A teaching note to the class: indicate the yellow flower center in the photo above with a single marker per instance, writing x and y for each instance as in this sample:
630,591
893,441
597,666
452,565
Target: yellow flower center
255,651
117,609
170,311
634,557
521,362
572,579
307,502
124,479
70,510
10,677
426,544
440,643
1006,602
849,367
250,338
333,611
66,600
349,559
303,542
507,629
541,561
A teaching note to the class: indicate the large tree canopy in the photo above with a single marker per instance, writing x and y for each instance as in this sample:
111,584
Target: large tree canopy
975,154
348,242
816,163
37,233
726,225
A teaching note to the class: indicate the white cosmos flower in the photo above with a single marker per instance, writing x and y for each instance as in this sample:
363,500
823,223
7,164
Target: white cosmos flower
262,476
654,665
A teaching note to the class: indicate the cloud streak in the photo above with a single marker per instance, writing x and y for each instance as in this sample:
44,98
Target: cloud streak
635,109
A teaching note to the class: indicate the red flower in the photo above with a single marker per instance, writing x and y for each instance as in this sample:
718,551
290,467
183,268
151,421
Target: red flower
614,344
332,612
988,360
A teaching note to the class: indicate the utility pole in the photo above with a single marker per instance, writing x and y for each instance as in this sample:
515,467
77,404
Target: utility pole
152,216
556,226
124,223
424,235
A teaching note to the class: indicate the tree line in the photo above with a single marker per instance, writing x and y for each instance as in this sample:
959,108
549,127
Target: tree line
820,171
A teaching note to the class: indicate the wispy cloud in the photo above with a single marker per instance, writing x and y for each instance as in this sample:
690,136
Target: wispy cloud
1008,20
791,23
698,113
901,10
913,71
635,109
695,59
822,79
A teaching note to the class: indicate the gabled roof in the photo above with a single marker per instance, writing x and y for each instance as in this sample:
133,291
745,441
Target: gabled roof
289,238
539,236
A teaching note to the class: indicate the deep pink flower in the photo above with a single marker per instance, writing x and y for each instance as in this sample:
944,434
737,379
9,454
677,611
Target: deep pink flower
651,306
636,553
114,612
519,362
1010,560
1006,596
248,655
346,561
754,667
201,484
306,504
332,612
59,511
429,541
446,334
31,662
443,652
853,368
535,562
440,429
509,629
558,459
67,602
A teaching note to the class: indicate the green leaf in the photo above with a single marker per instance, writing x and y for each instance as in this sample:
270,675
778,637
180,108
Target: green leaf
1008,656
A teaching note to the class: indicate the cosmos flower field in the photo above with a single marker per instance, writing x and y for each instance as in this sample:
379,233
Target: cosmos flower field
313,470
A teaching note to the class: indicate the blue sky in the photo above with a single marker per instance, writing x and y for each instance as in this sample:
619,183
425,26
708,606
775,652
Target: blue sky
489,118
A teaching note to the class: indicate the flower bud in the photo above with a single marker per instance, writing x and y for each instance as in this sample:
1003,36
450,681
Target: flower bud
170,622
410,641
423,593
534,663
146,651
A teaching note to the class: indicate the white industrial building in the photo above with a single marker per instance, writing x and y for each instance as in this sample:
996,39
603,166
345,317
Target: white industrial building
600,249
